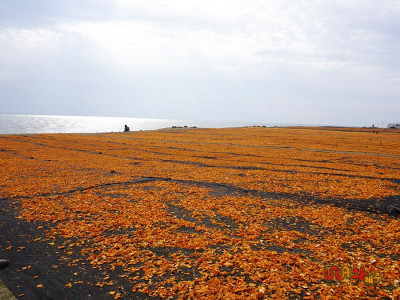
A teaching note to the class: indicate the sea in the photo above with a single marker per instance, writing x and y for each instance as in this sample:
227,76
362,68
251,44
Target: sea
26,124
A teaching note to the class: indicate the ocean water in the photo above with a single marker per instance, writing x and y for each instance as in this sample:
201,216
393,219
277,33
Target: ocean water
23,124
16,124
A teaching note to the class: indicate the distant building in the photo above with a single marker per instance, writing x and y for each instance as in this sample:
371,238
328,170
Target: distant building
394,125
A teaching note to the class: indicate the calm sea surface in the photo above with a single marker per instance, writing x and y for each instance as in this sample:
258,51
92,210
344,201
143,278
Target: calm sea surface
17,124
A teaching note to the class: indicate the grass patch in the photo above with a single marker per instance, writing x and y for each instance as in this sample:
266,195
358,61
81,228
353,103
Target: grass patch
5,293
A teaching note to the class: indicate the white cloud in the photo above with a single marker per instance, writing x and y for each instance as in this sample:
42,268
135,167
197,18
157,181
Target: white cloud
219,9
222,35
134,45
22,50
322,35
28,39
224,51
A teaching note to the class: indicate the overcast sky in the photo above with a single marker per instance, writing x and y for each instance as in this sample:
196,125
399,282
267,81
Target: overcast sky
309,62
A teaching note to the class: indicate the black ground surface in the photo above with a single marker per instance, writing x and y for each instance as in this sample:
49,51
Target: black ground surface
33,262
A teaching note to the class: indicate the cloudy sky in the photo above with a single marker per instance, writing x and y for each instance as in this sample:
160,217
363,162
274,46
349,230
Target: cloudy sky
283,61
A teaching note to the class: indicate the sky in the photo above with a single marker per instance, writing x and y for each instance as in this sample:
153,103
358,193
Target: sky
301,62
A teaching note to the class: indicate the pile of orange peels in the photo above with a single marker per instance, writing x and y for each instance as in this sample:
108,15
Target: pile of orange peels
237,213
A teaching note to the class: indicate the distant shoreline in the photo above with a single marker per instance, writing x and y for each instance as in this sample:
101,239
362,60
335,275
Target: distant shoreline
33,124
308,127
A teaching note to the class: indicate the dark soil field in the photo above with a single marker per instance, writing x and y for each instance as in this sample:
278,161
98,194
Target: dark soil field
239,213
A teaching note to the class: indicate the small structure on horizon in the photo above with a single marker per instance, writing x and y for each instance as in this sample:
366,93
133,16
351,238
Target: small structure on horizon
394,125
126,128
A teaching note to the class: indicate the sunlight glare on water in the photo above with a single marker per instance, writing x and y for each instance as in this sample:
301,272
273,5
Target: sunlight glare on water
24,124
17,124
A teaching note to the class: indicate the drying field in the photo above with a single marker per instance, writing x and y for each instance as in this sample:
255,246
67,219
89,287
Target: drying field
244,213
